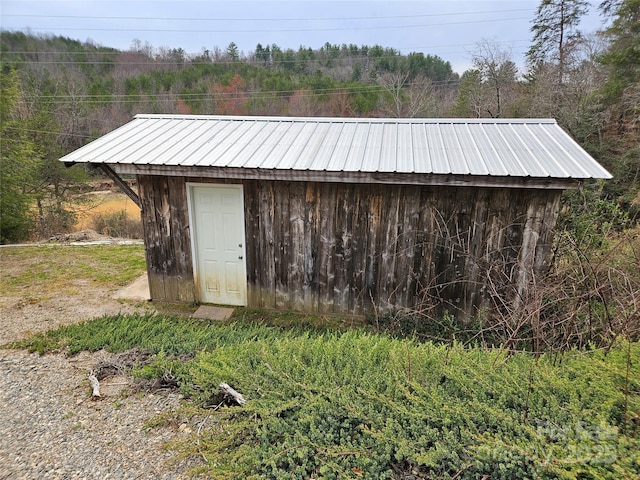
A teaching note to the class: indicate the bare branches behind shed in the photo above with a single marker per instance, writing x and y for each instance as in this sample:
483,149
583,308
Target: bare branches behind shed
589,296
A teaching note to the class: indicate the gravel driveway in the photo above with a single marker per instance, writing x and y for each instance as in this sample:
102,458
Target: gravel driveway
50,428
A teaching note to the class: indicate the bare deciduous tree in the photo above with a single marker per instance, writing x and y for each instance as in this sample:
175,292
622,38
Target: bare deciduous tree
405,98
498,74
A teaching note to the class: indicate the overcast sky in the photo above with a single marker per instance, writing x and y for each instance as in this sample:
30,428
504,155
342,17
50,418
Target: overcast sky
450,29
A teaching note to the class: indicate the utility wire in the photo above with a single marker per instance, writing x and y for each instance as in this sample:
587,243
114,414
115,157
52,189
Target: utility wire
321,49
141,98
190,59
191,63
277,30
46,132
276,19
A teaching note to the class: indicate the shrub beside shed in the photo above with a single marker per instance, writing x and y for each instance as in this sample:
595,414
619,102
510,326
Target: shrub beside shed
343,215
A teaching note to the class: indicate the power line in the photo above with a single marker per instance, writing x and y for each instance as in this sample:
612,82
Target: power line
277,30
241,95
191,63
275,19
110,51
189,58
22,129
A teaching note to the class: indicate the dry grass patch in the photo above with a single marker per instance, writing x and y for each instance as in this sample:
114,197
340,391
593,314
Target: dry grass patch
103,204
46,286
47,270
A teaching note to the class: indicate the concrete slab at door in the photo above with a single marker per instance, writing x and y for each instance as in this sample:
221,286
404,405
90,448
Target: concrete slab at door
218,239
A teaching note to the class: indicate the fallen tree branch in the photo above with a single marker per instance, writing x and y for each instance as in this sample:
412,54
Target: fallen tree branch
95,385
231,394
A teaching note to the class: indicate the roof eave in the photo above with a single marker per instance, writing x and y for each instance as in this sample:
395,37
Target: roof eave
325,176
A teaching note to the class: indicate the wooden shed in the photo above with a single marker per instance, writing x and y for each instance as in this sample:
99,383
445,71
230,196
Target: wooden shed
344,215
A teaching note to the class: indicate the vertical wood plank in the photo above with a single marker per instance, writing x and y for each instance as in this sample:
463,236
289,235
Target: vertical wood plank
327,247
343,243
389,237
358,297
478,243
296,256
282,243
422,261
311,247
373,246
495,258
552,201
180,244
149,224
461,292
252,248
405,246
267,247
156,241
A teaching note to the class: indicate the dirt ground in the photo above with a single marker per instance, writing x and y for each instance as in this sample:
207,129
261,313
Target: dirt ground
19,318
81,300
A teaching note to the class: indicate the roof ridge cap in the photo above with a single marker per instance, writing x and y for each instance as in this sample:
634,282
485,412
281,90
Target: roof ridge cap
249,118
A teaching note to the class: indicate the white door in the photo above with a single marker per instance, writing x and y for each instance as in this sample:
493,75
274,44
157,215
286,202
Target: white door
217,217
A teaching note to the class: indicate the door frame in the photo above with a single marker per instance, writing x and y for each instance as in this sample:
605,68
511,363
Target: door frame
193,228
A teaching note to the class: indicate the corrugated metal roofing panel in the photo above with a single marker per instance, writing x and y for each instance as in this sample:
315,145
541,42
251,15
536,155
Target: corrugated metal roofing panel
504,151
191,148
215,144
251,136
404,149
421,157
302,135
206,144
138,144
307,160
455,152
486,158
437,151
536,148
524,156
575,153
353,162
339,150
326,158
227,150
176,152
94,151
470,150
261,146
388,149
281,150
373,148
538,153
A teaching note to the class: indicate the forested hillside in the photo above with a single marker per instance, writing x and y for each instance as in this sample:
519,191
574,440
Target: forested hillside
59,93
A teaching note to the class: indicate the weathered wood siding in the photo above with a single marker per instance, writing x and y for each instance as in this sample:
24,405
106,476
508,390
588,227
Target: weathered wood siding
355,248
167,240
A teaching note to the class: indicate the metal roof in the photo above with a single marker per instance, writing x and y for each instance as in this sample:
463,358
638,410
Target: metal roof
536,148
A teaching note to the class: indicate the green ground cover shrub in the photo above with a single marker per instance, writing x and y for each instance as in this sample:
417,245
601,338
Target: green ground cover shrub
355,404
